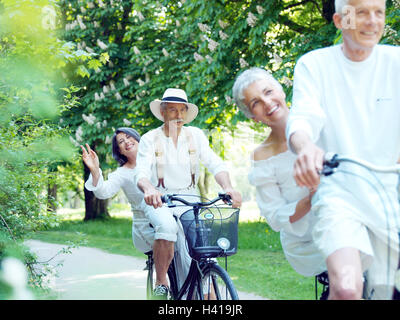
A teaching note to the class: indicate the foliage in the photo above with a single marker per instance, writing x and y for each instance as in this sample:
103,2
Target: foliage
31,140
140,48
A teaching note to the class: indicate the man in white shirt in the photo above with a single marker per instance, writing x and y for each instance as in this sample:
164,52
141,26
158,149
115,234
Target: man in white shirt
346,100
168,162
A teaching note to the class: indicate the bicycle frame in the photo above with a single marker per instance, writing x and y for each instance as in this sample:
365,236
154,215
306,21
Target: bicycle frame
192,287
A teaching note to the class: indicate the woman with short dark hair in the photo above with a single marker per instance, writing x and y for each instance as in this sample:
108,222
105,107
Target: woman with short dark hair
125,143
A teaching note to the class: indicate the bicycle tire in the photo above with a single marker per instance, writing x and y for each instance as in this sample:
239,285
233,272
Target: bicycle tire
151,280
217,284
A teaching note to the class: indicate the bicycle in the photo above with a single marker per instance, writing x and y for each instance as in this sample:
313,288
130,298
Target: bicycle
211,231
331,165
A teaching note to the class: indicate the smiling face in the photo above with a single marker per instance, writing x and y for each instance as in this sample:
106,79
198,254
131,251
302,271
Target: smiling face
362,26
128,146
266,102
174,115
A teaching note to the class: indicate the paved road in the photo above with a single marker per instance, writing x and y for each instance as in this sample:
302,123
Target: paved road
93,274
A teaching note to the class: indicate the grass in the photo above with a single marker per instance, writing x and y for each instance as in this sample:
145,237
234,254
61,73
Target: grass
259,266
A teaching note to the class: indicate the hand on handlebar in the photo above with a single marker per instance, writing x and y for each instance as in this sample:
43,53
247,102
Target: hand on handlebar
236,198
307,166
152,197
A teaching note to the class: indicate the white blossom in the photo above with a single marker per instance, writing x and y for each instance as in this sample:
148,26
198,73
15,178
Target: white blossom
203,27
223,35
209,59
243,63
223,24
126,122
140,16
98,125
228,99
83,10
126,82
90,5
96,96
277,59
101,44
198,57
203,37
97,70
80,22
102,97
140,81
72,25
212,45
251,20
106,89
287,82
136,50
388,31
96,24
260,10
112,85
90,50
178,24
90,119
49,18
118,96
78,134
101,3
104,123
108,140
165,52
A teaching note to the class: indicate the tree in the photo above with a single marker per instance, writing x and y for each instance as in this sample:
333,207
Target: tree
31,140
143,47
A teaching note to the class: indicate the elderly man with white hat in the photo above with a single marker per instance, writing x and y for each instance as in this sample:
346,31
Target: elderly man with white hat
168,162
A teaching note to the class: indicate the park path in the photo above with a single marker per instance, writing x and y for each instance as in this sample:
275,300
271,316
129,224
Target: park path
93,274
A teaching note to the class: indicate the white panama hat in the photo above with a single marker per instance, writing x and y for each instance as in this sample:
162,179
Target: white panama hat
176,96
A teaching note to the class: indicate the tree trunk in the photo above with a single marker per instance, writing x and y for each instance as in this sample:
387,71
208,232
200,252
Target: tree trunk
94,208
204,183
51,197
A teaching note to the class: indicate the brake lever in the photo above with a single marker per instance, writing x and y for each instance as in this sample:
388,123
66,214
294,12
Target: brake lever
330,164
167,200
225,197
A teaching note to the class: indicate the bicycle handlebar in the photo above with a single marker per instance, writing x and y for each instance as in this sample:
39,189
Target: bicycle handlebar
168,198
332,160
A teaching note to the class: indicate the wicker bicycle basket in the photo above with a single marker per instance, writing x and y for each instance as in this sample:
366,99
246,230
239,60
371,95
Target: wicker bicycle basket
215,235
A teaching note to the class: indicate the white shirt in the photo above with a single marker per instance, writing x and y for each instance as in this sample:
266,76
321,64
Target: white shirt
177,176
351,108
277,196
123,178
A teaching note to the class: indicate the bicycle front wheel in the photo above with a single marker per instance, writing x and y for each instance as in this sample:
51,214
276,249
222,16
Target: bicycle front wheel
216,284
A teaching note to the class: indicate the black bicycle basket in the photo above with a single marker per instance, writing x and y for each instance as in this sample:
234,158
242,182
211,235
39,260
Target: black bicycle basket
215,234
